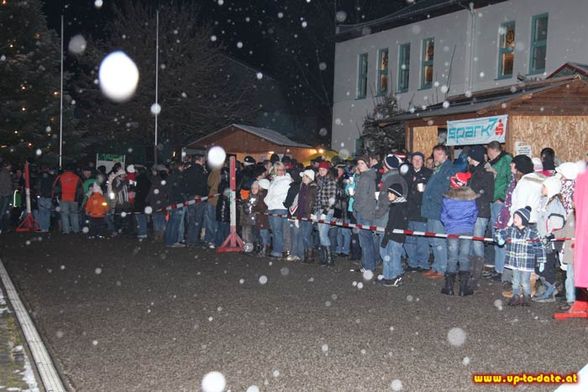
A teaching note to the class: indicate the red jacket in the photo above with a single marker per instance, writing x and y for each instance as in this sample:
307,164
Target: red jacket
70,185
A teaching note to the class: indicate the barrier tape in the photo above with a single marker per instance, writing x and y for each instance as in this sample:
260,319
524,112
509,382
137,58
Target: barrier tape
197,199
378,229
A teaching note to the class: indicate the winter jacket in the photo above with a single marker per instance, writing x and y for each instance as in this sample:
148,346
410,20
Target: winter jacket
223,210
341,199
349,189
438,184
326,194
141,192
120,189
527,193
174,186
397,219
365,195
291,197
482,183
45,185
68,186
5,182
213,182
568,232
501,165
195,182
277,192
260,210
459,211
551,216
522,248
306,199
382,205
414,197
96,206
158,197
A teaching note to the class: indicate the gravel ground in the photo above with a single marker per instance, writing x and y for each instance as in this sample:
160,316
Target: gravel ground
119,315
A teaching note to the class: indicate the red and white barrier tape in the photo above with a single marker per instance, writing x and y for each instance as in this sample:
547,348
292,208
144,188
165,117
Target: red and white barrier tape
378,229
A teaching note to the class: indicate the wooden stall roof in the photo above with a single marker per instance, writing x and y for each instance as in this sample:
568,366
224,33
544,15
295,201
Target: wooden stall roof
570,69
236,138
557,96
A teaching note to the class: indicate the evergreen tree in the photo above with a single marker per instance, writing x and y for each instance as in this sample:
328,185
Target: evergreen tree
382,134
29,82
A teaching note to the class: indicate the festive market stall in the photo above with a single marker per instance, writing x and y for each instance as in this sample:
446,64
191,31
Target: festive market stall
527,117
242,140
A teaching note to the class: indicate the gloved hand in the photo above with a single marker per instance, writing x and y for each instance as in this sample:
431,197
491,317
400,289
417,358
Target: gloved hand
541,267
500,241
547,239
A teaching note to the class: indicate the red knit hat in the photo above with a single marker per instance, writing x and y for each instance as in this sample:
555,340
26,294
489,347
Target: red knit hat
324,165
459,180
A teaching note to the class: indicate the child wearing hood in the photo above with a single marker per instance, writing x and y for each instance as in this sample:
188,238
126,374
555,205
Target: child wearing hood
523,246
96,208
550,217
392,246
459,212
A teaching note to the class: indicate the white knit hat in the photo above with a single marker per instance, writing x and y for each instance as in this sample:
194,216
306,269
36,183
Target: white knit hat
553,186
569,170
264,183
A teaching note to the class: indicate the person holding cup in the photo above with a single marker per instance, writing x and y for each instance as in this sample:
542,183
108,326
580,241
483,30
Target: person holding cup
417,248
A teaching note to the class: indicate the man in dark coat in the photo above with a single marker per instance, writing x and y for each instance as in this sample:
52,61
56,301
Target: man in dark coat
482,183
195,185
417,247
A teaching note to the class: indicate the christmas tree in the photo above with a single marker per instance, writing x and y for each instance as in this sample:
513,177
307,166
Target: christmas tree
30,85
382,134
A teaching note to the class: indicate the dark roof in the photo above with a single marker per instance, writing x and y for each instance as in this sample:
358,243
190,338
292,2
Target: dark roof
570,69
264,133
484,99
411,13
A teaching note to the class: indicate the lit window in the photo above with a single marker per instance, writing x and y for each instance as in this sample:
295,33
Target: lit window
403,67
362,74
538,44
428,55
382,79
506,50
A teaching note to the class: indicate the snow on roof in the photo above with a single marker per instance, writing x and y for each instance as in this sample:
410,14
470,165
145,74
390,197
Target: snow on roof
264,133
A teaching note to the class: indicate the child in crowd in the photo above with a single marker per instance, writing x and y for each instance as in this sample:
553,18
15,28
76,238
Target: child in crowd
96,208
458,215
392,246
523,246
550,217
261,219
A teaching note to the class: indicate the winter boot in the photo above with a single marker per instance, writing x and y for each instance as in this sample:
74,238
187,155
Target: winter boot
515,300
464,283
449,281
329,257
477,268
323,255
525,300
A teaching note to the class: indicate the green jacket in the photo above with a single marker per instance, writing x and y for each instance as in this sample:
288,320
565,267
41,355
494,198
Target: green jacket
501,164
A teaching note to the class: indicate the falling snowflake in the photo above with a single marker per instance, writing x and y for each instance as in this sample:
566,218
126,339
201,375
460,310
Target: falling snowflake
396,385
262,279
213,382
456,337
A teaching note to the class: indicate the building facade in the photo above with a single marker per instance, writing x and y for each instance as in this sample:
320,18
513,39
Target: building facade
427,55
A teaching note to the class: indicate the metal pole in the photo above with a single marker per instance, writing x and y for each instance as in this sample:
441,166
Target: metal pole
61,103
156,80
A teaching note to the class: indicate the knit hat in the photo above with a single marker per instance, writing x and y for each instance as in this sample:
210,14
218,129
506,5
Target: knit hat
477,153
525,214
96,188
248,161
553,186
308,173
391,161
537,164
264,183
131,169
569,170
396,188
324,165
459,180
523,164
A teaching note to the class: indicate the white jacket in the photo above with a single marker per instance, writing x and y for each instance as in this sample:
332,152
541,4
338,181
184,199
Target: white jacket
277,192
527,193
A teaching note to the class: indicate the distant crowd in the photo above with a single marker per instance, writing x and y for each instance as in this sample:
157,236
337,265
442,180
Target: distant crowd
520,202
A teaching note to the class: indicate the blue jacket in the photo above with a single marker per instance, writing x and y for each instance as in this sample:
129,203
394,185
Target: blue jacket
438,184
459,211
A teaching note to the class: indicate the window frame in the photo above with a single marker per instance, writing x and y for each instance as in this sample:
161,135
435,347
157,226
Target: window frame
403,59
426,63
380,72
502,50
362,76
535,43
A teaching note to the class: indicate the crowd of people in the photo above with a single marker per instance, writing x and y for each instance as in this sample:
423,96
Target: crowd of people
284,210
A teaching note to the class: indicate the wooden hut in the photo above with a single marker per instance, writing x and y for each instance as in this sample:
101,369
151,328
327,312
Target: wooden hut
527,117
242,140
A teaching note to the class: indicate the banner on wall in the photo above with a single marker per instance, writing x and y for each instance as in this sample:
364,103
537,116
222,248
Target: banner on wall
481,130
